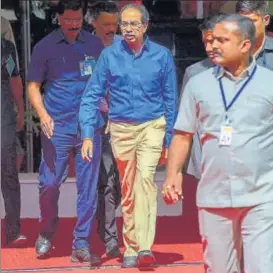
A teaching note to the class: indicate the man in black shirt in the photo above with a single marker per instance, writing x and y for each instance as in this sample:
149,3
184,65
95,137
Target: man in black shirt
11,91
105,23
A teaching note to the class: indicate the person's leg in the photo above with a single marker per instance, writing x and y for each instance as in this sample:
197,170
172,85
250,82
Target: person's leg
87,179
109,198
100,214
123,140
221,239
19,151
257,232
149,148
10,185
53,172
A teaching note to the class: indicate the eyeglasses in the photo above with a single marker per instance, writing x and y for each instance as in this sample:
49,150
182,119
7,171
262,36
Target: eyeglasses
107,26
70,21
133,24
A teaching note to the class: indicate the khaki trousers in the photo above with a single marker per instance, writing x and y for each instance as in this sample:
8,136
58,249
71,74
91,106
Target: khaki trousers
137,149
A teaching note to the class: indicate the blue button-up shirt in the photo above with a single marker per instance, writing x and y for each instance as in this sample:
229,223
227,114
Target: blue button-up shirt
142,87
56,64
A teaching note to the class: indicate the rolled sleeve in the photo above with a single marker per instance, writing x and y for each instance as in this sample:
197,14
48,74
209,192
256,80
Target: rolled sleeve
94,92
37,66
170,98
187,117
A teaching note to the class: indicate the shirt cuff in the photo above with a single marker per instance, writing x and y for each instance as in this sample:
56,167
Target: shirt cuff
168,139
88,133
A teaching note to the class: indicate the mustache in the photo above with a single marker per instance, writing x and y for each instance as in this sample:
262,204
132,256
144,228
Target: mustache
74,29
216,53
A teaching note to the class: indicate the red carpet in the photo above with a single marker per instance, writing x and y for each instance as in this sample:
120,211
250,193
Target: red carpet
180,269
177,243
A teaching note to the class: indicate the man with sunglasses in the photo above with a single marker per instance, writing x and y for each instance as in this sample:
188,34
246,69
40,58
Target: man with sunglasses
141,79
63,62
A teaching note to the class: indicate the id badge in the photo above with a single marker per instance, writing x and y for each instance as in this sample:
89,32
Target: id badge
86,67
225,136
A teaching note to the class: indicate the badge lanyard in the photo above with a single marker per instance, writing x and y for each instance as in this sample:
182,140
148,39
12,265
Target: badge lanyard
228,106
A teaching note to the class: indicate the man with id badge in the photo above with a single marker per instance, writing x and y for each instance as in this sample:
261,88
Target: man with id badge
258,12
62,63
234,115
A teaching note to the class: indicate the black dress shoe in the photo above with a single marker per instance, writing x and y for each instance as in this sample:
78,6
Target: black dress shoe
130,261
18,241
114,252
145,258
42,246
83,255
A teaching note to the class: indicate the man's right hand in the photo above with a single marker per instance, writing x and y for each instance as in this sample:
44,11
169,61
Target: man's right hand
172,189
87,149
47,125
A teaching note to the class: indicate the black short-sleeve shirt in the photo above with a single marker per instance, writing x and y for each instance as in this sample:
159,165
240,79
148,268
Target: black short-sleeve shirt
8,69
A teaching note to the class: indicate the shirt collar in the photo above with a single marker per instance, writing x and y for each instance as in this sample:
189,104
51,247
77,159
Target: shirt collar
268,45
221,72
60,36
146,44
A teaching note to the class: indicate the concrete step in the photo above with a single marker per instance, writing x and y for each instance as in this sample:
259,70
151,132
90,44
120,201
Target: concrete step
68,195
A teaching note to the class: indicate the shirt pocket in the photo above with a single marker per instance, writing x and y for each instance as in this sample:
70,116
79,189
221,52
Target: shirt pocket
256,109
56,66
119,78
150,83
210,111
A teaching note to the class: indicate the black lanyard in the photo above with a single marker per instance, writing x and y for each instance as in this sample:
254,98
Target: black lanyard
228,106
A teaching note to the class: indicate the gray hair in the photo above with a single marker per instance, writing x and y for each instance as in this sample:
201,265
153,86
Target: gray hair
260,7
246,28
145,17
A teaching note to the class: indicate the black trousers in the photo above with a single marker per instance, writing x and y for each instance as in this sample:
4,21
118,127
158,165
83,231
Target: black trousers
10,185
109,196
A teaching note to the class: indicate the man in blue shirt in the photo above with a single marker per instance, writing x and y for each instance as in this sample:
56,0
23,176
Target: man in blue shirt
104,18
63,62
141,79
